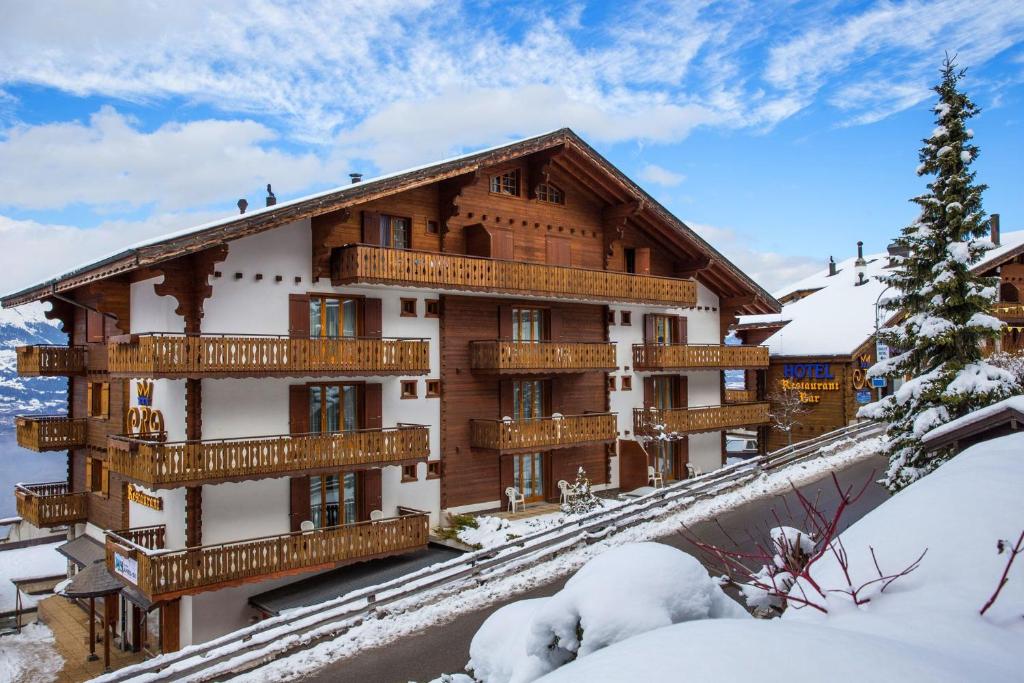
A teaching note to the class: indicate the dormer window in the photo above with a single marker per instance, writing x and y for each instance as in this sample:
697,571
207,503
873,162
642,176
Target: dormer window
506,183
546,192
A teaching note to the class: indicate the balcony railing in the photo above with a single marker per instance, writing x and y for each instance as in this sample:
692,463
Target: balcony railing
543,433
1008,311
696,356
45,360
532,356
182,463
169,573
371,264
179,355
703,419
740,395
49,432
50,505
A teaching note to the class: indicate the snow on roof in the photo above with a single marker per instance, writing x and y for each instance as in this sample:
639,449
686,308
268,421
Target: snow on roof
1013,403
833,321
1008,241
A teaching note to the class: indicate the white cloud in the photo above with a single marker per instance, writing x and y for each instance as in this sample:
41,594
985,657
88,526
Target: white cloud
110,161
652,173
769,269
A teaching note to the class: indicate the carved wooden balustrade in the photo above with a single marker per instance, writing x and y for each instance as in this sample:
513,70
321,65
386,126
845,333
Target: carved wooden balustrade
47,360
740,395
51,504
1008,311
371,264
180,355
702,419
159,464
554,356
49,432
695,356
543,433
169,573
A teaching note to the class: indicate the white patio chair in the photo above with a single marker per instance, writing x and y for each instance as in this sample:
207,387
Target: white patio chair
306,527
692,471
376,514
563,489
654,477
515,499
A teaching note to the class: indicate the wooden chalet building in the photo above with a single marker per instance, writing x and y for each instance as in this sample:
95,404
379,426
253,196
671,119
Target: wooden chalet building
823,341
321,381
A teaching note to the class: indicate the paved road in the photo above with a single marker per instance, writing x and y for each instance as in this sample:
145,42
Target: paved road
445,648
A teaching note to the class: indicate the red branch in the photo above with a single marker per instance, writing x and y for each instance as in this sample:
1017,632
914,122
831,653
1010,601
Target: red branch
1014,552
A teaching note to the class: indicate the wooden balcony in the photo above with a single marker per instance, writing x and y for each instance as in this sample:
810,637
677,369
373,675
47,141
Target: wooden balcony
50,505
543,433
46,360
49,432
379,265
157,464
511,357
136,555
1008,312
740,395
215,355
698,356
704,419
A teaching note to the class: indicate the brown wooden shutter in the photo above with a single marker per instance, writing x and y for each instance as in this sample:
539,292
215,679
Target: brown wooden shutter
90,409
554,394
298,316
649,319
105,478
682,452
371,227
648,392
506,403
682,387
370,500
94,326
643,261
680,329
105,400
555,327
559,251
298,502
502,244
88,473
373,410
373,318
505,473
504,321
298,423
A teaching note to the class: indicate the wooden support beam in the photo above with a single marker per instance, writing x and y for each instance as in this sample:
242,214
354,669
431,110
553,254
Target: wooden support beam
322,226
539,167
448,193
737,301
692,267
63,312
613,226
187,279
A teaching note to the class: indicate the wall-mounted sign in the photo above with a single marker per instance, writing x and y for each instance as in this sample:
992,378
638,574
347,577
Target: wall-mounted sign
864,396
143,420
144,499
126,567
878,382
807,371
881,351
806,378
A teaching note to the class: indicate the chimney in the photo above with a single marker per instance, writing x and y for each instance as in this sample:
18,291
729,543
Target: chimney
860,250
356,177
831,266
271,199
993,226
242,205
896,251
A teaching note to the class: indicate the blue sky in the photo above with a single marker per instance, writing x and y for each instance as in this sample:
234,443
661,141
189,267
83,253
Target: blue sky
783,132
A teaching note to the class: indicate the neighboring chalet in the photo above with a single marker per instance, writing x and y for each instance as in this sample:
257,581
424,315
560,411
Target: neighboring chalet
823,341
322,381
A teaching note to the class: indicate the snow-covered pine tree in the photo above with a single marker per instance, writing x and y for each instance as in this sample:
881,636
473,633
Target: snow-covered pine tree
943,308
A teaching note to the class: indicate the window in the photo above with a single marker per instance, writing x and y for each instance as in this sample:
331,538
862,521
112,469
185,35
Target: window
394,231
433,308
408,388
434,470
333,316
409,473
333,408
408,308
625,317
95,327
546,192
506,183
664,393
97,477
528,399
611,382
332,499
528,324
611,317
433,388
433,228
97,399
627,383
664,330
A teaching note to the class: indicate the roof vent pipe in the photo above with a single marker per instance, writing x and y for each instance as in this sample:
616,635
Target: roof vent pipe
242,205
993,227
271,199
356,177
831,266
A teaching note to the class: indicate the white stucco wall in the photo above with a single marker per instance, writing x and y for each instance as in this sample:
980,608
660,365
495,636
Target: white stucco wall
172,516
152,313
246,509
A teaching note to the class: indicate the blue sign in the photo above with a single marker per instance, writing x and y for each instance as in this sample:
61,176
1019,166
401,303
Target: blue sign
878,382
863,396
807,371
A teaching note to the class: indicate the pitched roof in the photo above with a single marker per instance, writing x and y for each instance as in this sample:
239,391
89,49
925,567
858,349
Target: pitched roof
610,180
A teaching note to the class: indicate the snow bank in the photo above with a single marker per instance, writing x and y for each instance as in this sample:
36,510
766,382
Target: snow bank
525,640
925,626
36,561
30,656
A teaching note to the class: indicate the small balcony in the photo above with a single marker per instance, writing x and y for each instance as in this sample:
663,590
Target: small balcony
546,433
216,355
50,505
157,464
364,264
138,557
46,360
514,357
698,357
740,395
703,419
1008,311
49,432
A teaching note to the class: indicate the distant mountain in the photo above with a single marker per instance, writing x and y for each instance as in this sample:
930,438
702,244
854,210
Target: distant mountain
18,395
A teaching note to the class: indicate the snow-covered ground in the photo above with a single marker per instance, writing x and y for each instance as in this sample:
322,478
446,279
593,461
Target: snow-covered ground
438,607
494,531
29,656
36,561
924,626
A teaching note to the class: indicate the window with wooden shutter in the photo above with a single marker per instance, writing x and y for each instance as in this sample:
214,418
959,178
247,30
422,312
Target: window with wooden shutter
559,251
502,244
371,227
643,261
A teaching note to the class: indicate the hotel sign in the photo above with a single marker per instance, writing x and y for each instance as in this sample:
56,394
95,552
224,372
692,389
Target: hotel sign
806,378
144,499
126,567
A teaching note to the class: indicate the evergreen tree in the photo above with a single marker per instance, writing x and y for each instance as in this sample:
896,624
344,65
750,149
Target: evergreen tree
943,319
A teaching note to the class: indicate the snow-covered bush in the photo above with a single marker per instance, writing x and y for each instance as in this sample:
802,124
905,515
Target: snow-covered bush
792,549
581,499
1013,363
527,639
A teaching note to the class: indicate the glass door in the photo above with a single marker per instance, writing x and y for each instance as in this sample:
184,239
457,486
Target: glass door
332,497
528,475
332,317
528,399
664,330
664,452
528,324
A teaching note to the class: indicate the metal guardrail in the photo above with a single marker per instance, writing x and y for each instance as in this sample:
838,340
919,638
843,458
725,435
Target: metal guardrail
254,646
